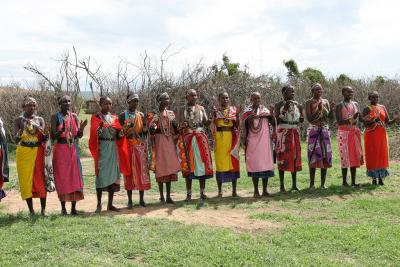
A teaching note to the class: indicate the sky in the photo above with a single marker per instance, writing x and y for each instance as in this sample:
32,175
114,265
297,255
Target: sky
359,37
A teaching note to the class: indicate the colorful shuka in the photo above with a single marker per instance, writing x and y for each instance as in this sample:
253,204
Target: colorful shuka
30,155
376,143
67,168
194,149
139,177
349,137
109,153
226,144
164,157
259,150
4,171
319,150
288,149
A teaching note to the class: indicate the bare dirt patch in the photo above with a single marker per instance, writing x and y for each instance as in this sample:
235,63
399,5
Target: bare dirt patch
236,220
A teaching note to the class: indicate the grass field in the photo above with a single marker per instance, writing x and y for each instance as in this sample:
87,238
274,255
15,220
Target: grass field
333,227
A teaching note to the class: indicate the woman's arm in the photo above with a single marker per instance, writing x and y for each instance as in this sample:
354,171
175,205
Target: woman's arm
54,133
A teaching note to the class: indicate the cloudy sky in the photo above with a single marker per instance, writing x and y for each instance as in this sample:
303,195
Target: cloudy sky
358,37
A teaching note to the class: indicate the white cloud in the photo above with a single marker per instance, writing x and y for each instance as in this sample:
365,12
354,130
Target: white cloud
358,37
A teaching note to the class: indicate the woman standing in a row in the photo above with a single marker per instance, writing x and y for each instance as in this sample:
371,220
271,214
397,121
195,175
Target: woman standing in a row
67,168
165,163
134,129
30,137
109,152
225,129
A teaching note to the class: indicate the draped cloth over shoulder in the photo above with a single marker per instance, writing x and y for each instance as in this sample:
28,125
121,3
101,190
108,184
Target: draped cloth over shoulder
139,177
259,157
288,148
67,168
193,146
164,157
349,138
109,153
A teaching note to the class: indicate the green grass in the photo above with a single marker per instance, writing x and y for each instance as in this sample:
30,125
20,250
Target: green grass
98,240
333,227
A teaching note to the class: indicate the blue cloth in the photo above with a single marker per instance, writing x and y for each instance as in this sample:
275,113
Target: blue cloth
226,177
263,175
2,194
380,173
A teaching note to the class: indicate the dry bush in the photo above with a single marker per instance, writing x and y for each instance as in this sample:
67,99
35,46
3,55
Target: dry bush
149,76
12,99
11,108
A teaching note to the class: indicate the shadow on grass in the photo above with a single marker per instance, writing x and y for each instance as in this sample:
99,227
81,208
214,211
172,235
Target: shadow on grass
220,202
213,202
9,219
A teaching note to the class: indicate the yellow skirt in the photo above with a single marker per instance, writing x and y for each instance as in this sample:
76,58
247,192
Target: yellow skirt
25,159
223,147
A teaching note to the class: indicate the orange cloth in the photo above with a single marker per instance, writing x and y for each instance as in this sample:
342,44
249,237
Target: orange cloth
375,141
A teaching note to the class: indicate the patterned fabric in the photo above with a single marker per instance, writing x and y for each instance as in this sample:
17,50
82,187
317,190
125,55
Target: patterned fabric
72,197
350,149
165,162
193,148
195,155
139,177
167,178
292,115
4,170
323,118
319,150
48,167
4,149
288,149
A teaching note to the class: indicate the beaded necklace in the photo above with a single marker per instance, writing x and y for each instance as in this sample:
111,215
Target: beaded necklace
193,116
68,127
131,118
164,114
29,129
256,129
225,113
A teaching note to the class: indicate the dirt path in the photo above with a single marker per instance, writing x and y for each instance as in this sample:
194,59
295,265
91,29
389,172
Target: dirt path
236,219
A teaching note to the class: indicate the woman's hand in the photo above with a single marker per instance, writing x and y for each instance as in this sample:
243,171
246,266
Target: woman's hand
83,124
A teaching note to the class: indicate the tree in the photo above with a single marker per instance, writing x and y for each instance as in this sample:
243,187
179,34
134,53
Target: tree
231,68
343,79
292,69
313,76
380,80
